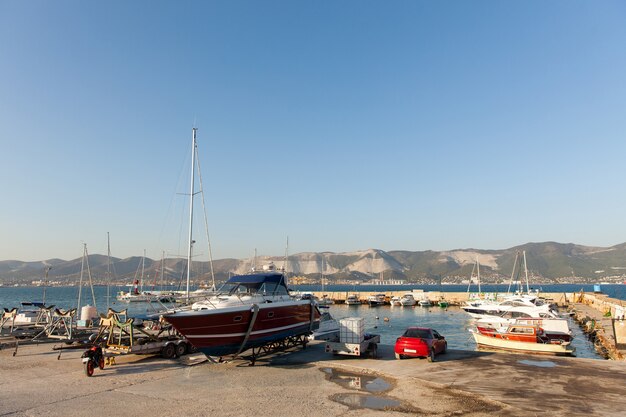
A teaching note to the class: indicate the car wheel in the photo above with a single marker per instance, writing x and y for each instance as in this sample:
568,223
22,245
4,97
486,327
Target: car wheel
431,356
445,347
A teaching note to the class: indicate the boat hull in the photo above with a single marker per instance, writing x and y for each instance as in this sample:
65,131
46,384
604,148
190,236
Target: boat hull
490,342
219,332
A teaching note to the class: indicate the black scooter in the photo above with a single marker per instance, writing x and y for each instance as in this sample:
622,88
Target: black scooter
92,358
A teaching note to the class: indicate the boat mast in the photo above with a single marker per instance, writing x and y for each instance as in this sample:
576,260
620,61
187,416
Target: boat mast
526,272
322,273
513,272
193,171
143,268
206,223
108,269
84,261
286,256
162,268
80,282
478,274
45,284
471,278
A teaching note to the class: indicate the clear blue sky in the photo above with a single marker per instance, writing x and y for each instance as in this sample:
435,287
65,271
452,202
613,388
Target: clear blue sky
344,125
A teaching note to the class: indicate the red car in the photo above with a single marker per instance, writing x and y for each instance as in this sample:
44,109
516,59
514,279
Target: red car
420,342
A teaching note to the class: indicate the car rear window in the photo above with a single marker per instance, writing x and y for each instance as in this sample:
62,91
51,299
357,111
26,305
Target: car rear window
419,333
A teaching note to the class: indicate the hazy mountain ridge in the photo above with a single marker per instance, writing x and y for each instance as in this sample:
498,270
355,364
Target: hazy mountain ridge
547,261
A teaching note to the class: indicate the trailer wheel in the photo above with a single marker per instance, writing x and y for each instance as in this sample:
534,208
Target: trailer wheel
168,351
374,352
181,349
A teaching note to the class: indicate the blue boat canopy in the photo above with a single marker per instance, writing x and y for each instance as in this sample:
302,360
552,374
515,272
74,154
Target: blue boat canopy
266,283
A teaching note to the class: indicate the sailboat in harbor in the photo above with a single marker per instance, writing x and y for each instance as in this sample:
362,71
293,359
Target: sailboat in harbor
324,300
248,311
135,292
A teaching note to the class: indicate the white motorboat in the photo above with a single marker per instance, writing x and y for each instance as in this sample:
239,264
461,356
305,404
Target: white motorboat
328,328
376,300
425,303
408,300
395,301
325,300
479,309
353,300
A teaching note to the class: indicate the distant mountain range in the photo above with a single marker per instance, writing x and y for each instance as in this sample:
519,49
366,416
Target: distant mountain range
547,262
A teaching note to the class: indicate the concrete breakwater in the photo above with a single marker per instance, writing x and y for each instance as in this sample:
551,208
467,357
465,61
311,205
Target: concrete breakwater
603,320
452,298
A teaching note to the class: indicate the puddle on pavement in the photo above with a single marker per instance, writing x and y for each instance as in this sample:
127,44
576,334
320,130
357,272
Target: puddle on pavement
372,402
541,364
361,382
368,384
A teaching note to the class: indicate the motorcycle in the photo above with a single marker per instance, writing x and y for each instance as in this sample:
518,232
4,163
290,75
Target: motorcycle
92,358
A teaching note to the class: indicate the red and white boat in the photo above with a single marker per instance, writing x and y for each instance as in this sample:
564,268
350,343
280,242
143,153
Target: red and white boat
250,311
522,338
554,328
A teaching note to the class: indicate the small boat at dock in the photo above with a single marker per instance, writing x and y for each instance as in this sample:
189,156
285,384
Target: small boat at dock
521,339
395,301
407,300
353,300
376,300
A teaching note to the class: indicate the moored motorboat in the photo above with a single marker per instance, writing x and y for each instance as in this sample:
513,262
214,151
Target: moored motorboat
353,300
375,300
325,300
255,310
522,339
481,309
395,301
554,328
408,300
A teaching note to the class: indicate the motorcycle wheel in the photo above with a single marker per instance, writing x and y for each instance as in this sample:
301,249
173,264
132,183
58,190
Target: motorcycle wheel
101,362
89,368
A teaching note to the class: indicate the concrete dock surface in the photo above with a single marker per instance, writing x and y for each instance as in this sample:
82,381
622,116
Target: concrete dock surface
299,383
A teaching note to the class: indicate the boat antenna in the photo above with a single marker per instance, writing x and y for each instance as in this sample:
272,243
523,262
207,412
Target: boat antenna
191,195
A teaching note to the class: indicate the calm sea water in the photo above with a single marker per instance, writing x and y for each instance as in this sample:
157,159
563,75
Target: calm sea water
453,323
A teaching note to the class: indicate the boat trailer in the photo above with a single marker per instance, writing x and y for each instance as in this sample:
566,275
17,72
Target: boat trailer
273,347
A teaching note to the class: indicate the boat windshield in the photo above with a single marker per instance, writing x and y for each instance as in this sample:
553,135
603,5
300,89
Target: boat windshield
255,284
